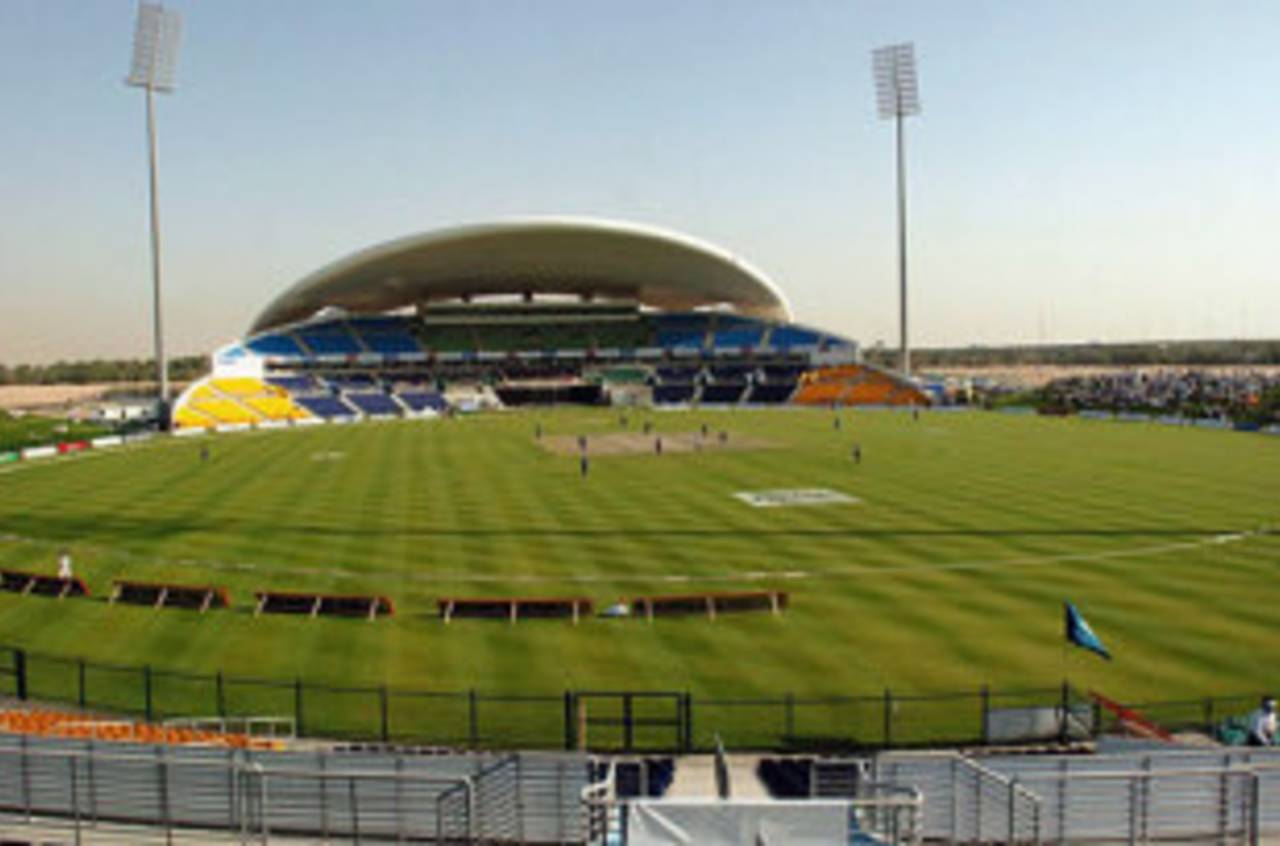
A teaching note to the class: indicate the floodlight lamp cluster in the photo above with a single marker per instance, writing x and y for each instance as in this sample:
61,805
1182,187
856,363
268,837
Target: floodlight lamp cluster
155,47
897,91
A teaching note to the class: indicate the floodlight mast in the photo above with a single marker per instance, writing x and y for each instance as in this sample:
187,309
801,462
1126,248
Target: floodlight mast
898,97
155,53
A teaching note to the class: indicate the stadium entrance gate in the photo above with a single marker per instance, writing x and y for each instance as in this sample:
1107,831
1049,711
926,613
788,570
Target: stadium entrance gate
628,721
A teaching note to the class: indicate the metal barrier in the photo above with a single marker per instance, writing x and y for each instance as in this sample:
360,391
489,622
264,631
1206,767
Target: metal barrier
271,728
1220,805
159,792
967,802
1225,796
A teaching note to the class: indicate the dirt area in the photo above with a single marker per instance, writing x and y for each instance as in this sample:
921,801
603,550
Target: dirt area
48,397
65,399
635,443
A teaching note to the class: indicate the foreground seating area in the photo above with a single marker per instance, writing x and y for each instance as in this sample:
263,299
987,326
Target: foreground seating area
237,401
711,604
159,595
513,609
73,725
856,384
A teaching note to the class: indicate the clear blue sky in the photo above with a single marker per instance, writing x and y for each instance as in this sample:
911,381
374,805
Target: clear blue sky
1082,170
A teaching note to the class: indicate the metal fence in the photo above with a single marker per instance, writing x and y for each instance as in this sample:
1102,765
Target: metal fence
175,794
966,801
604,721
1220,796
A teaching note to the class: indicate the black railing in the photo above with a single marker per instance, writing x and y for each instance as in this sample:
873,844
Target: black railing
650,720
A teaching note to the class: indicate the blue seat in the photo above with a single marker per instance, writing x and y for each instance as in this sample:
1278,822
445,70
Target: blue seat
329,341
746,337
670,394
294,384
773,392
723,392
784,337
374,403
423,400
325,406
277,345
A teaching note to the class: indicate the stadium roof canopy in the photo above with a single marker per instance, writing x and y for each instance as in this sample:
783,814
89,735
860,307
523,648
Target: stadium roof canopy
587,257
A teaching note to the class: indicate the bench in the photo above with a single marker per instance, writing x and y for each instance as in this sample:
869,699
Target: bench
513,608
17,581
711,604
317,604
159,595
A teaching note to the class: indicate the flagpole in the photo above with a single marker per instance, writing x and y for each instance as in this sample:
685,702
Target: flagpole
1062,721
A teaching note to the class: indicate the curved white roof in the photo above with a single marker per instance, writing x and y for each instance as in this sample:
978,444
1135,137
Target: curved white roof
584,256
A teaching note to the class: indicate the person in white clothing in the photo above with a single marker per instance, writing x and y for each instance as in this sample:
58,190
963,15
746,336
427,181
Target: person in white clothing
64,564
1262,724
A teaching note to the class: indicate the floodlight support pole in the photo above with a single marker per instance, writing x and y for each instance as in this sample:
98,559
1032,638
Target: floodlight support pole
904,347
162,366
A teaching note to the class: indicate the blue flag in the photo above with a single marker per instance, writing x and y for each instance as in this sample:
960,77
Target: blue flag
1079,633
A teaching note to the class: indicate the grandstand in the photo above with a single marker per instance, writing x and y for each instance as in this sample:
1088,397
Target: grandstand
528,312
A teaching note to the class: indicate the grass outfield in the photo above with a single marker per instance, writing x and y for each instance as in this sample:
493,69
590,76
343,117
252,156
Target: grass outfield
947,575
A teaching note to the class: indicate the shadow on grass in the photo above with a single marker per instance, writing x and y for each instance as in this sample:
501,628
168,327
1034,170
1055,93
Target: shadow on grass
135,529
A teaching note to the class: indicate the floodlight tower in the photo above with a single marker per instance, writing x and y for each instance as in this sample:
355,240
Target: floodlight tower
898,97
155,55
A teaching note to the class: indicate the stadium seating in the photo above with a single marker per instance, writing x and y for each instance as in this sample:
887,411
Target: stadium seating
294,384
737,338
351,381
624,335
681,330
329,339
673,394
856,385
397,364
236,400
326,406
723,392
771,393
448,338
513,608
375,404
276,345
573,394
423,400
677,374
238,386
276,408
227,411
387,336
788,337
820,393
186,417
783,372
626,375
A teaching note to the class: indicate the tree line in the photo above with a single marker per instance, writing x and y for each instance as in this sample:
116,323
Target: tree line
99,371
1150,354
